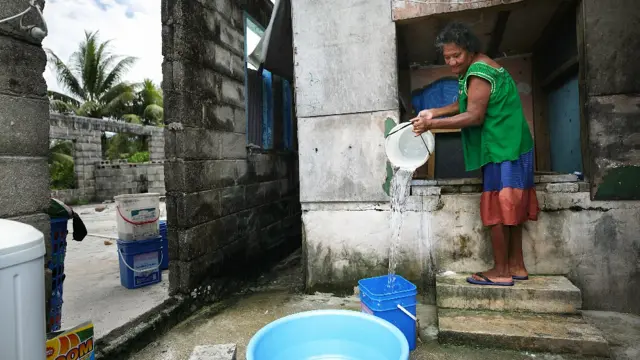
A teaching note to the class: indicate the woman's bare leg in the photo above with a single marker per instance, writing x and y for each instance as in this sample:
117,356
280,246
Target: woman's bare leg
516,258
500,244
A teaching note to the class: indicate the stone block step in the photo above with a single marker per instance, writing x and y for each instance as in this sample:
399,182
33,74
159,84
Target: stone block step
552,333
539,294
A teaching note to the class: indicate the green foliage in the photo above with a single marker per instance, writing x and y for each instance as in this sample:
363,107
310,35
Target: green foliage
61,166
124,146
139,157
92,80
94,88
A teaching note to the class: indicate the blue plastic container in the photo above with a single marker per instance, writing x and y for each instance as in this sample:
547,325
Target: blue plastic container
165,245
140,262
397,305
328,335
58,239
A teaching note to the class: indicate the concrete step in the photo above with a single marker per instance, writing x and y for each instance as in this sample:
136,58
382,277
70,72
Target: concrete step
539,294
550,333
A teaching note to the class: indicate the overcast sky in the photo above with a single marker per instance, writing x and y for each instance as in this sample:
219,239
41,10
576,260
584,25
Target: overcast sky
133,26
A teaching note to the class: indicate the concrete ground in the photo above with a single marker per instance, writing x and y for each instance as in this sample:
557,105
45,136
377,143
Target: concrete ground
278,294
92,289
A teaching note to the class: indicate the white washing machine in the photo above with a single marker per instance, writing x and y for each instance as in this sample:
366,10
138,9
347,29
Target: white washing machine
22,298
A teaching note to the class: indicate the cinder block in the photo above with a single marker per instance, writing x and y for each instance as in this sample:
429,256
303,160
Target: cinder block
22,66
232,200
24,129
207,238
192,176
232,91
226,62
194,209
234,146
197,143
25,185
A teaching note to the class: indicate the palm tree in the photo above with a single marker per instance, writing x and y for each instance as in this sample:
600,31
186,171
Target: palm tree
92,80
146,108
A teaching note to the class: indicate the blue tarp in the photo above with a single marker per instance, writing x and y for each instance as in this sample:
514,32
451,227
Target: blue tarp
438,94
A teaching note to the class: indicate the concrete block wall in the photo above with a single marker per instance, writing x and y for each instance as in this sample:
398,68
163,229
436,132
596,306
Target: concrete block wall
610,80
24,134
119,177
227,207
86,134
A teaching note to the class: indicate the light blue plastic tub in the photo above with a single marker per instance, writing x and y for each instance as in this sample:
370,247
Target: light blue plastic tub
329,335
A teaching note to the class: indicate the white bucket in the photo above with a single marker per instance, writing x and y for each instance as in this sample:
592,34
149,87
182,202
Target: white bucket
406,150
137,216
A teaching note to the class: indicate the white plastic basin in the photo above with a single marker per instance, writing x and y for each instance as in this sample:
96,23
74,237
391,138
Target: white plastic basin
406,150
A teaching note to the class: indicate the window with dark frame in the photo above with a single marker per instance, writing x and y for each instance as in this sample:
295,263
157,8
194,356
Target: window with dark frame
269,100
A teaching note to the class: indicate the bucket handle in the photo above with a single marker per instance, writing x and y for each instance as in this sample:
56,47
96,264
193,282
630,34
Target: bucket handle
136,222
407,312
154,268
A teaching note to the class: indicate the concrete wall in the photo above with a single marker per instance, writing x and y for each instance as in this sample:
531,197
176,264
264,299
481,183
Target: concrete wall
405,10
227,208
610,78
86,134
590,242
24,135
343,106
119,177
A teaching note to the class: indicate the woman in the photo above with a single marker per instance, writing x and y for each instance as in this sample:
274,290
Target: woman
496,138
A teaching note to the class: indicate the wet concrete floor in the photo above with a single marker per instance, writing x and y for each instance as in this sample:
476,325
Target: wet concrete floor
238,319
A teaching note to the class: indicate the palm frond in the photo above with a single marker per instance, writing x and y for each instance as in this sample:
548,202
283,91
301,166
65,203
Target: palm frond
54,95
90,109
118,71
65,76
60,157
61,107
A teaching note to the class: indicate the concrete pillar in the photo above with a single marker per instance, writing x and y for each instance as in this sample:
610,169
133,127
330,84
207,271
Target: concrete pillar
24,126
347,95
610,80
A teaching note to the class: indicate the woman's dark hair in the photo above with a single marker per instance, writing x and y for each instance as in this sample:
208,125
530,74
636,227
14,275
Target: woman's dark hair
461,35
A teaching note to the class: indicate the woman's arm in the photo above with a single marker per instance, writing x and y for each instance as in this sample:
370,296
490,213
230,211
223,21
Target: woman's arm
449,110
479,93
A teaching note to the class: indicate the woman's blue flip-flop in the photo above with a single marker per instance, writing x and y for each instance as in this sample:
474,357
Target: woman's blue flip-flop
520,278
485,281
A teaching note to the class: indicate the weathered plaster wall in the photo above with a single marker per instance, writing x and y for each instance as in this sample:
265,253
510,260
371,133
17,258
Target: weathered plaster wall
227,208
609,49
24,135
590,242
343,106
405,10
86,135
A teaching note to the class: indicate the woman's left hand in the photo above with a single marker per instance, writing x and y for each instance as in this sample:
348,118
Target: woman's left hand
421,124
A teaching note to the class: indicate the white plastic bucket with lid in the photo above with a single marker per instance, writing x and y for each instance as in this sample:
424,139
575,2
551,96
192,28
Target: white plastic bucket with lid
406,150
22,307
137,216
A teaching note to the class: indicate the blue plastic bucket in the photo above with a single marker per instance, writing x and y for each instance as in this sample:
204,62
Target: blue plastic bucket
397,305
165,245
140,262
328,335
